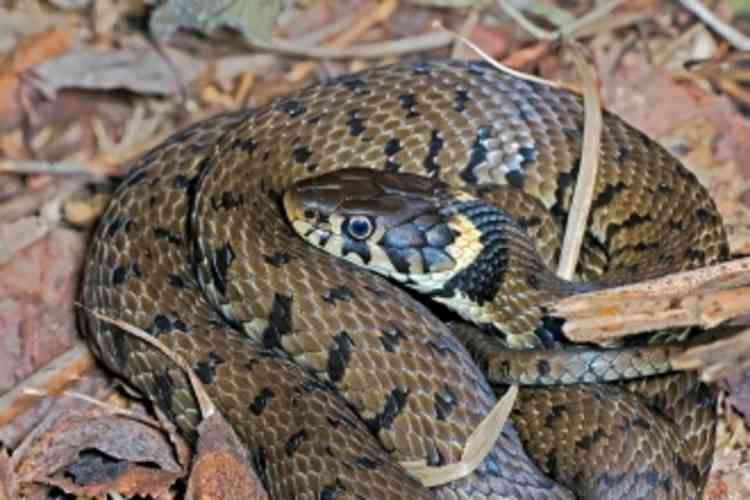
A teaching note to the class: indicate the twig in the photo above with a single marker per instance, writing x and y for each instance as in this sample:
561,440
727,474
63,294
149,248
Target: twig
569,31
733,36
584,189
490,60
324,33
704,297
468,26
427,41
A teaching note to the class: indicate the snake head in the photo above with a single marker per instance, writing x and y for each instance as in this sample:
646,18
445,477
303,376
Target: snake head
394,224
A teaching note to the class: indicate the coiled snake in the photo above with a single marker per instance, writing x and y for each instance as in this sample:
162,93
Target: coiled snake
331,375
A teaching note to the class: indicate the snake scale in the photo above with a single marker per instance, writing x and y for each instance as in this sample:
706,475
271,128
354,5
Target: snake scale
331,376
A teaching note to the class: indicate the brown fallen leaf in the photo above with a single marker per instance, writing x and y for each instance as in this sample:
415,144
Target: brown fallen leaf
31,51
95,455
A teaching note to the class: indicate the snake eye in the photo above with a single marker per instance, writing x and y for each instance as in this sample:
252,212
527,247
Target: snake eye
309,213
359,227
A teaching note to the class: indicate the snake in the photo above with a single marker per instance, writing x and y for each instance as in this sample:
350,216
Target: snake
333,376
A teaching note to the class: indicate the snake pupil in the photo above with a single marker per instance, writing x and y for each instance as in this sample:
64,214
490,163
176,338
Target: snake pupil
360,227
309,213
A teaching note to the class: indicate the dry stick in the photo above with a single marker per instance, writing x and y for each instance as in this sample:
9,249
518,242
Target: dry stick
568,31
733,36
706,296
427,41
584,190
468,26
489,60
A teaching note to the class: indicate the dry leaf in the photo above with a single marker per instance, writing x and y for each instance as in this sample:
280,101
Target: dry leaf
251,17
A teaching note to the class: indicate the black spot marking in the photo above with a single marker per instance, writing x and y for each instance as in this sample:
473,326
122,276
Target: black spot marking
358,247
176,281
301,154
573,134
338,356
605,197
704,215
356,85
220,262
533,281
333,491
228,200
421,68
279,321
279,259
292,107
664,188
444,404
161,233
341,293
392,166
392,147
641,422
543,367
478,67
355,123
119,275
408,103
294,441
245,145
623,151
129,226
260,464
391,339
460,100
478,154
391,409
528,156
368,463
436,145
120,344
515,178
206,370
161,324
590,440
113,227
164,391
688,472
181,326
260,401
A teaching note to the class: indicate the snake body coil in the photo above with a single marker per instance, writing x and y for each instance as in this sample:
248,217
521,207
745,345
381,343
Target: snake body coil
331,375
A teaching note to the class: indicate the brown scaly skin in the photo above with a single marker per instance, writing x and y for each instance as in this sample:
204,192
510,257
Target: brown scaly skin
331,375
